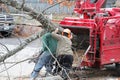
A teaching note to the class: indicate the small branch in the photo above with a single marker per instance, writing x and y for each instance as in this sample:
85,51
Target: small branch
6,70
23,4
5,47
52,6
15,64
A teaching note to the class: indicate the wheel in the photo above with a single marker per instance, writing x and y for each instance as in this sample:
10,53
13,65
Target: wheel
117,66
6,34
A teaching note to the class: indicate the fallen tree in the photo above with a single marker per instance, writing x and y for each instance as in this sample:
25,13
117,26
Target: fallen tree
46,24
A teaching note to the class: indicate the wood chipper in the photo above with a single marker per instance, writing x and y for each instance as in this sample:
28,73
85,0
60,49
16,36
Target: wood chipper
97,31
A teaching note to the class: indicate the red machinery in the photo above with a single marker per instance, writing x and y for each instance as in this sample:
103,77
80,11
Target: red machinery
98,32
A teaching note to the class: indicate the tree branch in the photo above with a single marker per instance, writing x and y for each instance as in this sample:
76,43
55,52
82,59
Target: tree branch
52,6
46,23
14,51
15,63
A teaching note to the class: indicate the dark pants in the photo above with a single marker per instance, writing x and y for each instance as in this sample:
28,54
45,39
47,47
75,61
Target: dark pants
65,61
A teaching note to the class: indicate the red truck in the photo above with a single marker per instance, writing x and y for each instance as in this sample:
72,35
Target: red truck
97,31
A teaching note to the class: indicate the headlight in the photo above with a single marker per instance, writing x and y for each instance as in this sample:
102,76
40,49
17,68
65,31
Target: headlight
6,28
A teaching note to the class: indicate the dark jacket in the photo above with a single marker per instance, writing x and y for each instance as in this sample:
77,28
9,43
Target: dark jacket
50,42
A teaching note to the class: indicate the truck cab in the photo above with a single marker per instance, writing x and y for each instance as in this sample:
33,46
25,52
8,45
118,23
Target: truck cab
6,24
6,21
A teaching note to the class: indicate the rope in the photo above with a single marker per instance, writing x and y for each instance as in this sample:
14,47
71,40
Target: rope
56,60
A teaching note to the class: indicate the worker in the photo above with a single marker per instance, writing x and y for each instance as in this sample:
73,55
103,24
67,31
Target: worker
46,58
64,51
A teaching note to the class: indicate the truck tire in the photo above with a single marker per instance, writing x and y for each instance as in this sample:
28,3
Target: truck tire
117,66
6,34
